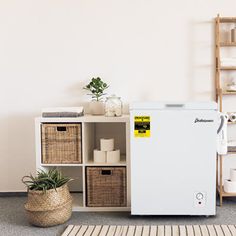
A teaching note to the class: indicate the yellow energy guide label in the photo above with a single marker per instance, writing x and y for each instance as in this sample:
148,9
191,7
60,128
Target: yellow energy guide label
142,126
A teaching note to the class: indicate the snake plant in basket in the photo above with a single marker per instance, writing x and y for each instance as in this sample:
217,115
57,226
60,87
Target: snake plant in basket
49,201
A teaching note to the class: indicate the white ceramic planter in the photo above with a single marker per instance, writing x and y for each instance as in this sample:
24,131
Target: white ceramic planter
96,108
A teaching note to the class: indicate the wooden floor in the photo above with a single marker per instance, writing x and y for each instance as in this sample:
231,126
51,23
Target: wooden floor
145,230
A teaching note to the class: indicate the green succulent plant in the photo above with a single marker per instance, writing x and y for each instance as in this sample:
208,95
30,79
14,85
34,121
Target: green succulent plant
44,181
96,87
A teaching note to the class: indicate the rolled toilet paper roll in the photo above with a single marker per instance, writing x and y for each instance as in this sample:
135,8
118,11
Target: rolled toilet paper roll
113,156
99,156
107,144
233,174
230,186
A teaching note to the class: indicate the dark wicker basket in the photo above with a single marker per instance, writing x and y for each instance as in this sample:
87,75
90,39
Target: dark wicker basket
106,186
61,143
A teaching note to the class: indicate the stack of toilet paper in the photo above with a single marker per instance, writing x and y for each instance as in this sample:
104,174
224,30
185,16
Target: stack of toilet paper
230,184
107,153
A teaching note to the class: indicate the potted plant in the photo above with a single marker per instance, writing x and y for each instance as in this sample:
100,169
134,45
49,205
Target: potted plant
49,200
97,88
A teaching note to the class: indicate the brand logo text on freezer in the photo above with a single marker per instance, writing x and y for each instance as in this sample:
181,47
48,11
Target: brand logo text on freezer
202,120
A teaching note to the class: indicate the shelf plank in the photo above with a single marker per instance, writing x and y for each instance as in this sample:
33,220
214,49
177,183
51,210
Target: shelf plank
228,44
86,118
231,123
228,93
224,194
231,153
228,68
227,19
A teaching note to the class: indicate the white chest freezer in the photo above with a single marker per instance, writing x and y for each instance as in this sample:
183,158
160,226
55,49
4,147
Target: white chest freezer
173,158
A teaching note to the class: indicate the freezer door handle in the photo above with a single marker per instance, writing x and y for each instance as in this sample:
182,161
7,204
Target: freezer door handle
174,105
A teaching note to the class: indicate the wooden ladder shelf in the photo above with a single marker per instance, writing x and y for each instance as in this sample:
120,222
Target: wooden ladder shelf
220,93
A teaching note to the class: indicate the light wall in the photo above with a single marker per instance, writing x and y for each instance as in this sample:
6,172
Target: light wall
49,49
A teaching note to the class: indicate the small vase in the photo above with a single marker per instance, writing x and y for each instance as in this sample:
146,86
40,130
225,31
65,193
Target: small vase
96,107
113,106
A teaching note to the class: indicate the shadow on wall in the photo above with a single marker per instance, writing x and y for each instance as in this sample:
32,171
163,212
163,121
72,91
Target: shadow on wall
201,60
19,153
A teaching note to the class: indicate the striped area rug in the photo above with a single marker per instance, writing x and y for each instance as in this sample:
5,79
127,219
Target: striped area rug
150,230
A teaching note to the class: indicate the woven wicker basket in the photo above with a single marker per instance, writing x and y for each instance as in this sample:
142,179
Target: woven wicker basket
61,143
106,186
51,208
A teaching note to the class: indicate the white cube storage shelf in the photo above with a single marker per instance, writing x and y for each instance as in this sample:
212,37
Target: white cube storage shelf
93,129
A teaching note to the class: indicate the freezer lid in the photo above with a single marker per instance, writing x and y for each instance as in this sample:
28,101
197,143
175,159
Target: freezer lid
174,105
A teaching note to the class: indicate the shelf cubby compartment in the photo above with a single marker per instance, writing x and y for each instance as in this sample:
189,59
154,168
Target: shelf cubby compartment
228,44
93,132
92,129
76,186
61,143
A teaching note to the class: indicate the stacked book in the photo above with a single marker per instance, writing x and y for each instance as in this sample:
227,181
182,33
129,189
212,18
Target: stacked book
63,112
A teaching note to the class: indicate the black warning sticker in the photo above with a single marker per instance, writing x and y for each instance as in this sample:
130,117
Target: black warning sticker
142,126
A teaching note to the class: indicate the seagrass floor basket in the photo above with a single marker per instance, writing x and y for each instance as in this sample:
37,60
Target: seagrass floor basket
61,143
106,186
49,208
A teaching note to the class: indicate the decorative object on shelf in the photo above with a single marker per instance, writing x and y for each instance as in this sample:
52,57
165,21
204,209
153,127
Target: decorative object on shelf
99,156
230,184
231,146
233,174
113,106
61,143
113,156
49,201
107,154
233,35
63,112
107,144
97,88
232,116
231,87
